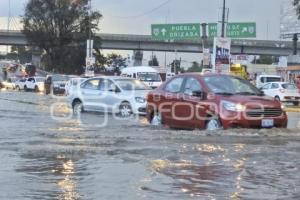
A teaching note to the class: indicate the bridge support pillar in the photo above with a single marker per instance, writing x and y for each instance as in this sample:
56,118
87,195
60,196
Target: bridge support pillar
295,40
36,57
137,58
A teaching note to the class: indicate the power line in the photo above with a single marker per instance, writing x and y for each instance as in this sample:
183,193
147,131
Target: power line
143,14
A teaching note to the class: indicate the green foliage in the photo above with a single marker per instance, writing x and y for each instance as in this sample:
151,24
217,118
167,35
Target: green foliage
153,61
263,59
21,53
60,28
176,67
296,4
116,61
196,67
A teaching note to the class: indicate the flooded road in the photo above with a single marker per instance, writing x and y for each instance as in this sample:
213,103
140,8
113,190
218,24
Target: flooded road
50,157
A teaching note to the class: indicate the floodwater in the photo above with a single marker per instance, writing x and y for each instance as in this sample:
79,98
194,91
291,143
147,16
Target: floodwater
48,157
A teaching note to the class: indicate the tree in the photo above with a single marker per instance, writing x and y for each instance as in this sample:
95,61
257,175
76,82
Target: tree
60,28
116,61
153,61
176,67
195,67
263,59
296,3
21,53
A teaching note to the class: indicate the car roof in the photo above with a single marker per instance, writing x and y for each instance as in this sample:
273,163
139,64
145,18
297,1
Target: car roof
138,69
113,77
279,82
200,74
265,75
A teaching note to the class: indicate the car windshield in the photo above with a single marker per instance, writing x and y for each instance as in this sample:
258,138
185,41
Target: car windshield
148,76
39,79
131,84
289,86
60,78
270,79
229,85
77,81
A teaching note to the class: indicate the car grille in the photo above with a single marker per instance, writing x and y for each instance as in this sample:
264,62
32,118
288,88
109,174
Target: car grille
265,112
292,98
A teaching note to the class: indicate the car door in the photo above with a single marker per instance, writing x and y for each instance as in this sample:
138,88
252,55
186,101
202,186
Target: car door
89,93
170,100
30,83
193,106
266,89
274,90
111,95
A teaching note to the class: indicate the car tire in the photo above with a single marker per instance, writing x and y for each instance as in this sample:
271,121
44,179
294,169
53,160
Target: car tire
125,110
25,88
18,88
77,107
277,98
213,124
156,119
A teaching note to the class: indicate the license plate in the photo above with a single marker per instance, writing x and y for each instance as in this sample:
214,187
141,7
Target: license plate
267,123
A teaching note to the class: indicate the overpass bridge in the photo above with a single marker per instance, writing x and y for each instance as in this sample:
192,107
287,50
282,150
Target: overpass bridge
145,43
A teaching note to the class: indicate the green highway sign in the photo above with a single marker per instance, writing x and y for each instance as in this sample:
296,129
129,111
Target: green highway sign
175,31
234,30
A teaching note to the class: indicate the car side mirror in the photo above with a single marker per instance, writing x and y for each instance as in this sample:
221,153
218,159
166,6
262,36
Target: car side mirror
199,94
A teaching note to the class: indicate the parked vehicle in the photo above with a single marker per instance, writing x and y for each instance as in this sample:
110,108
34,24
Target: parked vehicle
9,84
148,75
111,94
213,101
73,84
282,91
298,82
34,83
20,84
55,84
261,80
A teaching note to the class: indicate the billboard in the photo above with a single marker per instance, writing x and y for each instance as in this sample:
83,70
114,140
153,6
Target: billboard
289,23
221,55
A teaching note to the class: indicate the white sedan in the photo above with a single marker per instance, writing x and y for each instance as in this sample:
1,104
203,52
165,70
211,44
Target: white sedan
34,83
121,95
282,91
20,84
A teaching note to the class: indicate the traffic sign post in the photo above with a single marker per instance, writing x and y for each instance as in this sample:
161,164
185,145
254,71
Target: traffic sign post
175,31
234,30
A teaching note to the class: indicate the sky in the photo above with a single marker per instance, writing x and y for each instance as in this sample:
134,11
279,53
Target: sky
136,16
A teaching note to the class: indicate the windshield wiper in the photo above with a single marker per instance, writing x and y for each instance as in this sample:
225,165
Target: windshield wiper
246,93
224,93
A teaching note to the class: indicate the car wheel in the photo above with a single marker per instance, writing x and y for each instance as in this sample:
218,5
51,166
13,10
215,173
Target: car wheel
77,107
25,88
277,98
125,109
156,119
213,124
18,88
296,103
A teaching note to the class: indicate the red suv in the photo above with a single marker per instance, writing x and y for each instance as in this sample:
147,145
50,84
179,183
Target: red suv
213,101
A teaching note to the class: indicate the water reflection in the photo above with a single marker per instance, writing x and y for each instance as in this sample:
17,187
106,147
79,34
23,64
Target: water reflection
68,184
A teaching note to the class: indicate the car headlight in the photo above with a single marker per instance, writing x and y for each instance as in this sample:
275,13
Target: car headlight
235,107
140,99
282,106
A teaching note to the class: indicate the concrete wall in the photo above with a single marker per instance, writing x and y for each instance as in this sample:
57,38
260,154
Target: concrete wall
262,68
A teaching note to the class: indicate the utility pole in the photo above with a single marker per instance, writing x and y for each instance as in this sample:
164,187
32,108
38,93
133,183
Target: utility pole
90,30
8,20
223,18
